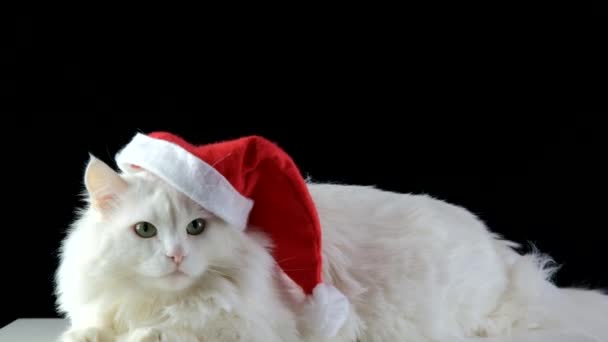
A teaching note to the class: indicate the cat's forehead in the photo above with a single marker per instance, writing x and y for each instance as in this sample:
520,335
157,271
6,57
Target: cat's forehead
158,196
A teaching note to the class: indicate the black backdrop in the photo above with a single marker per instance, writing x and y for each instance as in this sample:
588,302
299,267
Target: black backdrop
510,135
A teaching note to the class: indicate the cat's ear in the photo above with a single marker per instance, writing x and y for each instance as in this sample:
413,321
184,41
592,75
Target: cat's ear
103,184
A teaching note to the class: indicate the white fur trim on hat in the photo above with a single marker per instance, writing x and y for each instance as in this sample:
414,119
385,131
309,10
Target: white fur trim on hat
326,311
189,174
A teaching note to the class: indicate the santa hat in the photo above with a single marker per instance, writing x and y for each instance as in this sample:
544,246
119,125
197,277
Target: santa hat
249,181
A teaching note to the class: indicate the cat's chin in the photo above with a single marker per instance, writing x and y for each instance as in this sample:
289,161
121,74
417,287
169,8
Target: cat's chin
176,281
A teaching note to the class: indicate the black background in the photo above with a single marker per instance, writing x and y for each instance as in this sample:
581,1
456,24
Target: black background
505,122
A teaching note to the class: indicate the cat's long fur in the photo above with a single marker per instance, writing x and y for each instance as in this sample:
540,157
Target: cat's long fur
414,269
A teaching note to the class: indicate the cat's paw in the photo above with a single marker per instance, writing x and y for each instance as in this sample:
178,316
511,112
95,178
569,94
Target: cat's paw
146,335
87,335
160,335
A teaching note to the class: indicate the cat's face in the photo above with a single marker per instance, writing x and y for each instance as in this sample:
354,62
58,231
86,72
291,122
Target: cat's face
152,234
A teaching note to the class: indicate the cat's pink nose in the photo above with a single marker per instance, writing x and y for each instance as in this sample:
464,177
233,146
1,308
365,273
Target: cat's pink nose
177,258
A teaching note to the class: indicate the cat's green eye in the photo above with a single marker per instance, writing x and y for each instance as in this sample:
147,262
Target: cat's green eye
196,227
145,229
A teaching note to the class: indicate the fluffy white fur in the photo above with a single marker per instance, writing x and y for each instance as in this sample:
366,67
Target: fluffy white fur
414,269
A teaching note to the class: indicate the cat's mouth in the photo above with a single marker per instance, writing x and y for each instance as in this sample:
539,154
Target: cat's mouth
177,273
175,280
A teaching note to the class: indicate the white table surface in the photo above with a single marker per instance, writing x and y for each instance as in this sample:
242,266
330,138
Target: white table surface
48,330
33,330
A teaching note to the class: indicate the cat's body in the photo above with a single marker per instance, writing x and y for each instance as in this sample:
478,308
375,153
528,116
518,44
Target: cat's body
413,268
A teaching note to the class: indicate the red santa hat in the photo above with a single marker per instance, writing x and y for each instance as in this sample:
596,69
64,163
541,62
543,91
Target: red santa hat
249,181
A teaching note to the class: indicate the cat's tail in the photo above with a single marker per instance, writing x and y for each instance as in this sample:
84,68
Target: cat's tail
533,302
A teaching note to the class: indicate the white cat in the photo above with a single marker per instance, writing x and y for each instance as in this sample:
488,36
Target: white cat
144,263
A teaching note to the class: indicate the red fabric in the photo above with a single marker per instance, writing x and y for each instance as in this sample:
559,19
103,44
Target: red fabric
283,207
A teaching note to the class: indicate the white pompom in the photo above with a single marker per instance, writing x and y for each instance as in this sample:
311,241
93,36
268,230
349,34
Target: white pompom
326,311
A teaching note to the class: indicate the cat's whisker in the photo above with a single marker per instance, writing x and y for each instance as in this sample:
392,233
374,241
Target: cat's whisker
205,185
217,272
296,269
216,163
225,267
220,273
285,260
